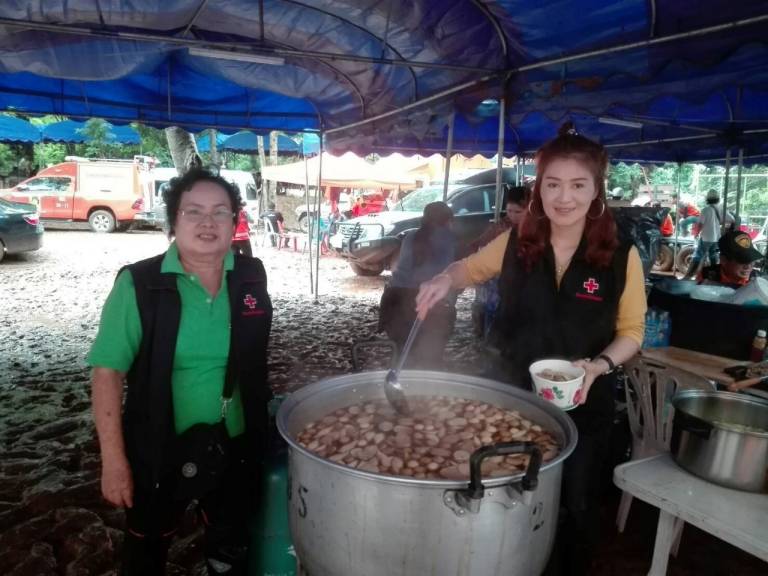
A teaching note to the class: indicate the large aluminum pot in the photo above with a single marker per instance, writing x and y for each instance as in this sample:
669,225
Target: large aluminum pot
351,522
722,437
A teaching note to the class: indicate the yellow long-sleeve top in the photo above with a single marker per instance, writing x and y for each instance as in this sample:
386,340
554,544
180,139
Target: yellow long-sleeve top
486,264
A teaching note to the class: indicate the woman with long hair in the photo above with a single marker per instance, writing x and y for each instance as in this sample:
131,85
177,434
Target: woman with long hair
569,289
423,254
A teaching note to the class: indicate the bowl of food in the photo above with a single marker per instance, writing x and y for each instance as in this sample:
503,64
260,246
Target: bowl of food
558,381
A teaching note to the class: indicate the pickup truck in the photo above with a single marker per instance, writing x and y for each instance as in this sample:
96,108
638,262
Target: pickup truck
371,243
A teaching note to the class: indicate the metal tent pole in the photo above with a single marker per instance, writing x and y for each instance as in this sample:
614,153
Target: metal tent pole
677,221
725,190
309,222
738,182
318,216
500,161
448,154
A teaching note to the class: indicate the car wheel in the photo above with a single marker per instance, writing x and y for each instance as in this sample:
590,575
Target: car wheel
362,271
2,250
664,259
304,223
684,256
101,221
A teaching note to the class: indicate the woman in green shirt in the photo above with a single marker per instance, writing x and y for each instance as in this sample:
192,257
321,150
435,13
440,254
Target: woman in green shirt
170,328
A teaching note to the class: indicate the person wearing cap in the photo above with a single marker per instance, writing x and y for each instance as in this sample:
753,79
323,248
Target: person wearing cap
737,259
711,221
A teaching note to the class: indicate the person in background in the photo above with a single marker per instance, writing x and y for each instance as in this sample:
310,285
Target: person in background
276,221
171,329
711,220
687,214
241,240
667,226
423,253
737,261
486,295
568,289
514,210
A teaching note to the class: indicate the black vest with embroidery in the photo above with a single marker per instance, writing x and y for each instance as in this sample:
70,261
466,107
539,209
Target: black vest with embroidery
148,420
536,320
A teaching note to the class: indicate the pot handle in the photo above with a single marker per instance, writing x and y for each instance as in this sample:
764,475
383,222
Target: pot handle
356,346
530,481
693,424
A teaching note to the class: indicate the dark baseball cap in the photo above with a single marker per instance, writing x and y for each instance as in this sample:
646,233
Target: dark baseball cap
737,246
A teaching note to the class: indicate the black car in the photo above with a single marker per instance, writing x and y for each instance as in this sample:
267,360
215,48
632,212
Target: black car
371,243
20,228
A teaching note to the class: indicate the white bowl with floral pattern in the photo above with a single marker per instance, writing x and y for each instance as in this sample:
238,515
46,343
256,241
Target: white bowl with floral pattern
563,394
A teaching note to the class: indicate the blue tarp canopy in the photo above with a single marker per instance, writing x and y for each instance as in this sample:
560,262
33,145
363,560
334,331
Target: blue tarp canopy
246,143
16,130
74,132
378,76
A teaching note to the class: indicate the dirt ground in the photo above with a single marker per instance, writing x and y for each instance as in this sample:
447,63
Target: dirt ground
52,519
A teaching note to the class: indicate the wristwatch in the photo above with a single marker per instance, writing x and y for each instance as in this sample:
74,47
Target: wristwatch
611,365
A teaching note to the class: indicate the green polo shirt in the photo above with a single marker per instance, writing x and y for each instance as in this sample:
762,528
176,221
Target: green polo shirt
202,344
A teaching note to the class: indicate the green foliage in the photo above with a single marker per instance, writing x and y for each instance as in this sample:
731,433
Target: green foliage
8,160
154,143
50,153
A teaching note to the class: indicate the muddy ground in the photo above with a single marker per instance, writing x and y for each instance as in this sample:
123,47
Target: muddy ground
52,519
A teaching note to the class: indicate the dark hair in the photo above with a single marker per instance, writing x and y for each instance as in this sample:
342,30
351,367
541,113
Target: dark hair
180,184
436,215
516,195
600,228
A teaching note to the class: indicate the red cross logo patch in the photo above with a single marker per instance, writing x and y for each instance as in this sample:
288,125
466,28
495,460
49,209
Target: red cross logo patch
251,304
591,286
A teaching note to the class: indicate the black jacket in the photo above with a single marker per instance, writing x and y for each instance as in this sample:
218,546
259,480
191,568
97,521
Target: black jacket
148,415
537,320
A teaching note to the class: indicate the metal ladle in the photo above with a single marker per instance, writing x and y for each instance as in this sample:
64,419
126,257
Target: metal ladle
393,390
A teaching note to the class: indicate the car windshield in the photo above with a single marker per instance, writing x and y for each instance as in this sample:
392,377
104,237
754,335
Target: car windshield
416,200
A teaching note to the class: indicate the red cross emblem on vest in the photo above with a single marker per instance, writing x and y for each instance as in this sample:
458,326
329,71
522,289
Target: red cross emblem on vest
591,285
250,301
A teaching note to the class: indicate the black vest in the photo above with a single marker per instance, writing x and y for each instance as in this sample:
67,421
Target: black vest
536,320
148,416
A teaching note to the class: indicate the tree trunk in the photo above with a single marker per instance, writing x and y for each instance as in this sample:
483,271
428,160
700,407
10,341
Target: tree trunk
262,163
215,158
273,162
183,150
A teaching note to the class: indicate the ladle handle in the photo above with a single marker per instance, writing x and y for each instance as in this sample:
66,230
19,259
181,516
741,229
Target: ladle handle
408,345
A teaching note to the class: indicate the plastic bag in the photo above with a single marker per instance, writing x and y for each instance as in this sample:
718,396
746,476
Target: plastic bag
658,327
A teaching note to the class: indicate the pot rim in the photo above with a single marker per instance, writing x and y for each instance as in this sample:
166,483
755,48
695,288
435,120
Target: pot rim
683,395
310,391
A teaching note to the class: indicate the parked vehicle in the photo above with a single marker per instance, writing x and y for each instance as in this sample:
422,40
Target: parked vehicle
372,201
20,228
371,243
107,194
154,216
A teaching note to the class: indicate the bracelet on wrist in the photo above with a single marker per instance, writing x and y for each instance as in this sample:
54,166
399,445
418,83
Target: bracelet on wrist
607,360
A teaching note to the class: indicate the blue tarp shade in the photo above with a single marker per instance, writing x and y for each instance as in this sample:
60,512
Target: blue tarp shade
204,141
74,132
16,130
247,143
351,60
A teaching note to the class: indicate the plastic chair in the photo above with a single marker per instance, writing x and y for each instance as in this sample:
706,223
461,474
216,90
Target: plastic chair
320,228
649,390
269,232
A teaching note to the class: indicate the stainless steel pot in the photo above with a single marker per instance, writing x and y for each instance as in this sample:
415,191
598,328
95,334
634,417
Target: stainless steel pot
351,522
722,437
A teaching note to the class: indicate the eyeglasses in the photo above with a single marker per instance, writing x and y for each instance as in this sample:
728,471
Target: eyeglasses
219,216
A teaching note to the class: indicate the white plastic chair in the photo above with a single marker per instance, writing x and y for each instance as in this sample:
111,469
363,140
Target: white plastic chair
269,232
649,390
